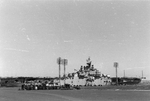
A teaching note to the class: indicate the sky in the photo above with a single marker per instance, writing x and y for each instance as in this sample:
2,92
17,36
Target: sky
34,33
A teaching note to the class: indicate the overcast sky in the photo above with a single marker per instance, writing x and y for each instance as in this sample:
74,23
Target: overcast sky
34,33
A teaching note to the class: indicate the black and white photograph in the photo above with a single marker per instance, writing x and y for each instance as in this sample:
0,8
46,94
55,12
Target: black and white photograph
74,50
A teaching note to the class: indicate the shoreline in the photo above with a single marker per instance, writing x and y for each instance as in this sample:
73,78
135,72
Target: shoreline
120,87
107,87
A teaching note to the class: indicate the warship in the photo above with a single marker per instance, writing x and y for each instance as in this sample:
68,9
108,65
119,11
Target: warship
90,76
86,76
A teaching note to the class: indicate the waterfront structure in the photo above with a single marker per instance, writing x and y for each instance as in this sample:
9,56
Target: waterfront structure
125,80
